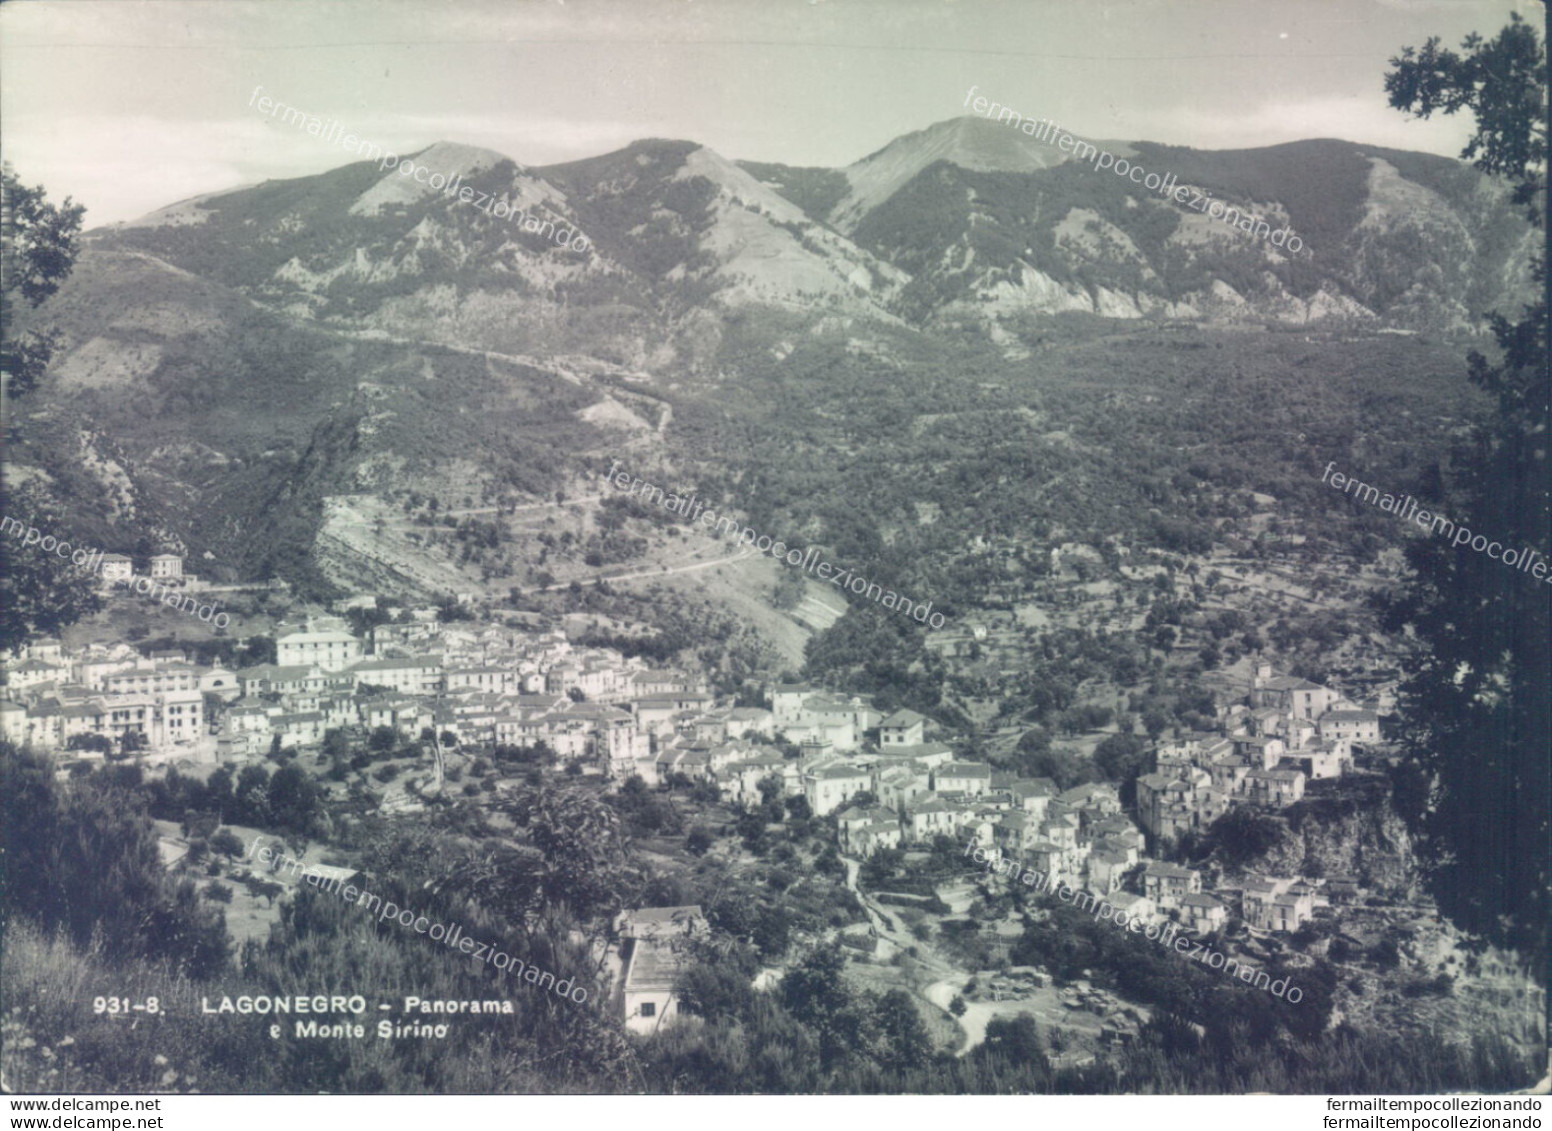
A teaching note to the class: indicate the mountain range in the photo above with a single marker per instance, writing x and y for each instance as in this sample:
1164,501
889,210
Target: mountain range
233,362
968,218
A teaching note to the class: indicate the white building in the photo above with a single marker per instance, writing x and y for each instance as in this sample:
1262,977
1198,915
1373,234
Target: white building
1351,726
903,728
970,778
830,788
652,952
116,567
331,651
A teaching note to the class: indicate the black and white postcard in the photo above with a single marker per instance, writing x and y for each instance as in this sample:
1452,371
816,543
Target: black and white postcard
775,547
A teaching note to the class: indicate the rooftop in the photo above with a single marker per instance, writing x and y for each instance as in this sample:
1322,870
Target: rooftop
653,966
1168,871
965,770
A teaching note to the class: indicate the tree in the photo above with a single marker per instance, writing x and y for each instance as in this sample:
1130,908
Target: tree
40,592
1063,767
1475,788
1017,1038
1122,757
771,808
294,800
226,843
789,590
92,743
38,247
256,650
717,985
218,792
82,857
570,863
881,867
1503,83
1244,834
750,825
250,800
815,991
336,744
1032,743
772,932
903,1043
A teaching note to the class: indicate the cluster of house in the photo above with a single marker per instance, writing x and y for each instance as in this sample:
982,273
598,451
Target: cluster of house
834,763
484,685
1288,732
1081,837
54,698
119,568
1269,903
487,685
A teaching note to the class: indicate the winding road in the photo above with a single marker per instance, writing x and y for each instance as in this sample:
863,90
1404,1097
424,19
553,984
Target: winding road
950,977
738,557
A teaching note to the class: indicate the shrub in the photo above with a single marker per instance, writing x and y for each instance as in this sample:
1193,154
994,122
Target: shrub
1386,954
226,843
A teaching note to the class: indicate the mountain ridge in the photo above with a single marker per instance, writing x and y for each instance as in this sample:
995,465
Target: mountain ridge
967,218
284,334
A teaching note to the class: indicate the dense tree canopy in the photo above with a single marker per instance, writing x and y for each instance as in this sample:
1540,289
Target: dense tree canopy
40,592
1477,792
83,857
38,248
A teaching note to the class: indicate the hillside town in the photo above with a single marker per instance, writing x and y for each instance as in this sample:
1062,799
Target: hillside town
887,780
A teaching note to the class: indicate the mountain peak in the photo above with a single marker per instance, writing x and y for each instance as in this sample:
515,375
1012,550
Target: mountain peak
446,159
453,157
979,144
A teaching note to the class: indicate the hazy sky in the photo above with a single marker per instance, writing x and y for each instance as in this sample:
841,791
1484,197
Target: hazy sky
131,105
